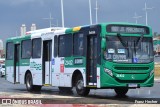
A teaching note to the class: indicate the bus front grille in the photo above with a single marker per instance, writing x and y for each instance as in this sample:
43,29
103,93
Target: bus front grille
131,68
130,81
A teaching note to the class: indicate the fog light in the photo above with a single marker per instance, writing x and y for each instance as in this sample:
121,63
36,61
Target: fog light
151,72
108,71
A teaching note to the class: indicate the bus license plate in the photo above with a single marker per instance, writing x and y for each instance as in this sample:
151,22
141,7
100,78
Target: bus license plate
132,85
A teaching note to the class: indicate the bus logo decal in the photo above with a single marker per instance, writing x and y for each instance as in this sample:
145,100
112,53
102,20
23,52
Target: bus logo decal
35,65
135,60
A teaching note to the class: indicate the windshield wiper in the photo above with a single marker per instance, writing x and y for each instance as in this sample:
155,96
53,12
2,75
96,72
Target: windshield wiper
123,43
139,41
137,44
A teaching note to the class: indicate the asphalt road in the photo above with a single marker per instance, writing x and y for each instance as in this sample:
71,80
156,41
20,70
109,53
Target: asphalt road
99,96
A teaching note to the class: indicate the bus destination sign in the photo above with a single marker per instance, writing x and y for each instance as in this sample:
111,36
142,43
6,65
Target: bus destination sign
127,29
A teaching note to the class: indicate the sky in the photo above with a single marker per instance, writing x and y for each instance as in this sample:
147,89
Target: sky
14,13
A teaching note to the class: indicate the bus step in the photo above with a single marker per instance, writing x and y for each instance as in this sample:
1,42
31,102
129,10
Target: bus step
17,83
91,86
47,85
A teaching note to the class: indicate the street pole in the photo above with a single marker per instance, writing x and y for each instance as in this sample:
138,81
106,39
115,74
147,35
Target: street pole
96,11
146,12
62,12
90,11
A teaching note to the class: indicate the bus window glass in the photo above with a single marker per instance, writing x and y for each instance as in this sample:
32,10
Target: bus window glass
26,49
79,44
10,50
36,48
128,50
65,45
55,46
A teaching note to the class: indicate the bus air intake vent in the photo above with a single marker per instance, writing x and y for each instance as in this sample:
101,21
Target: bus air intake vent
131,68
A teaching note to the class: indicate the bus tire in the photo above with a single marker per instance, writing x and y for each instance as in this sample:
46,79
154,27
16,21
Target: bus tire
121,91
80,89
29,82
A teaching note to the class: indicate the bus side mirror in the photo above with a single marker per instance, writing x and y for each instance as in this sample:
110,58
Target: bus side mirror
103,44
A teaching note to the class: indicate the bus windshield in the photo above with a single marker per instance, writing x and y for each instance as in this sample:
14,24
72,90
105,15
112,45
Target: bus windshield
129,49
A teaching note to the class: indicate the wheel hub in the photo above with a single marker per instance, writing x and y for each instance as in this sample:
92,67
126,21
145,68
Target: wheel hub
29,82
80,84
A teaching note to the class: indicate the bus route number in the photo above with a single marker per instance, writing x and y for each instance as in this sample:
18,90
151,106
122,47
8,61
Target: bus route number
120,75
68,62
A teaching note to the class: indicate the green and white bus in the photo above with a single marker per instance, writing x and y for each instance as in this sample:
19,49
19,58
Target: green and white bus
115,56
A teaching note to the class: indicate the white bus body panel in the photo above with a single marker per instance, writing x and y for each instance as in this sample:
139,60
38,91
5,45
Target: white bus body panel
17,74
48,72
55,79
58,68
36,71
98,77
9,74
22,73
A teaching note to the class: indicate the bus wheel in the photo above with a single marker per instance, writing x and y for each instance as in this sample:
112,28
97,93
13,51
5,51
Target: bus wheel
81,90
121,91
29,82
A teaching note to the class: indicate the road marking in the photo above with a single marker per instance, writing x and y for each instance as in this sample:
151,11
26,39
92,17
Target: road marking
149,92
31,95
138,92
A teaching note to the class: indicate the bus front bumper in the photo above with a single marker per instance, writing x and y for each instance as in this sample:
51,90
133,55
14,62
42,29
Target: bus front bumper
110,82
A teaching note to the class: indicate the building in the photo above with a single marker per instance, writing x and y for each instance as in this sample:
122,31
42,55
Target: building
23,29
1,49
1,44
156,44
33,27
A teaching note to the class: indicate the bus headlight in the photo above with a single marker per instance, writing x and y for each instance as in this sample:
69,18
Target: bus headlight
151,72
108,71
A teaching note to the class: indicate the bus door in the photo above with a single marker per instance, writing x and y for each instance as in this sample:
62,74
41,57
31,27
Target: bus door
16,63
47,56
92,60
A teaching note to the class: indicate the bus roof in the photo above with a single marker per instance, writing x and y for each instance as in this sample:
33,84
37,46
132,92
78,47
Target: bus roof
38,33
45,30
75,29
61,30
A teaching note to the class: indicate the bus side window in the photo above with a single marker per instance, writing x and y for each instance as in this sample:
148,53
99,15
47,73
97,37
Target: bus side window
79,44
26,49
9,51
55,46
36,48
65,45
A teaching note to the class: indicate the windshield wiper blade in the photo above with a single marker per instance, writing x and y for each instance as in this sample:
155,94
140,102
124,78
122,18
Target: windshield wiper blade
123,43
139,41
